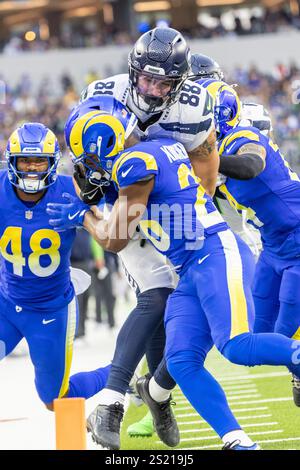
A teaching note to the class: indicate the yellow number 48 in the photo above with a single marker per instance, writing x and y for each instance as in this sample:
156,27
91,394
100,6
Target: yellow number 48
13,236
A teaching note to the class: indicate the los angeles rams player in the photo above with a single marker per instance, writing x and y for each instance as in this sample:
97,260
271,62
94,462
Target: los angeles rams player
153,280
165,103
37,297
269,196
159,191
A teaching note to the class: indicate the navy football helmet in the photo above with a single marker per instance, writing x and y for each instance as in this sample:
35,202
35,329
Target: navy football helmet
203,66
162,56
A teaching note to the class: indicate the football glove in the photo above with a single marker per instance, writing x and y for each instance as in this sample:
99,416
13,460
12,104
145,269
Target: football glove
68,215
91,191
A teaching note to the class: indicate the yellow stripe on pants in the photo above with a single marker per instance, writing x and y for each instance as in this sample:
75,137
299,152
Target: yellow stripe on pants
71,327
234,275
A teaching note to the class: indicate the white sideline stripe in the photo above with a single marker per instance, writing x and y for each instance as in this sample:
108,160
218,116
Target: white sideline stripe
256,433
182,399
245,384
238,397
266,400
253,376
259,408
211,446
230,399
238,387
200,421
253,417
182,408
206,438
246,425
231,393
184,415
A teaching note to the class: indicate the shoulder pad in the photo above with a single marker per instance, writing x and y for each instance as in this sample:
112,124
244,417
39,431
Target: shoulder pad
133,166
238,137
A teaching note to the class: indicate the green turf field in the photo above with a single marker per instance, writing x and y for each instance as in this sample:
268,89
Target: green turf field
261,398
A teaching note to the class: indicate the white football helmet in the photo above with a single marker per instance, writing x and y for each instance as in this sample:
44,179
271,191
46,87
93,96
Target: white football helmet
256,115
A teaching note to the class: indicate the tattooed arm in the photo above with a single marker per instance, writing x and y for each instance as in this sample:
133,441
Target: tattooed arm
205,161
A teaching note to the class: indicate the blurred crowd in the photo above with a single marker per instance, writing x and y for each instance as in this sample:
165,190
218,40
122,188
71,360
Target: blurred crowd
266,21
279,92
51,102
269,21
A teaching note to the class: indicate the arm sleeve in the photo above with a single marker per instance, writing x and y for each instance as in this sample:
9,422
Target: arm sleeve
241,167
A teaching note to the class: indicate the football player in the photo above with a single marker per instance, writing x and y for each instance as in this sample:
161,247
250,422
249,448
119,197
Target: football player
203,66
152,280
157,90
158,190
269,195
37,296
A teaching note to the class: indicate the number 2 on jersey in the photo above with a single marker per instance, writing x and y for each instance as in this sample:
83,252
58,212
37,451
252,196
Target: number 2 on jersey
13,236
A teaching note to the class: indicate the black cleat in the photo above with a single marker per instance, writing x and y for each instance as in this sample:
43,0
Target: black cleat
296,389
163,417
104,424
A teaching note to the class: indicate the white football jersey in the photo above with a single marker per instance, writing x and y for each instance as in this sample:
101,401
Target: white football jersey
144,267
189,120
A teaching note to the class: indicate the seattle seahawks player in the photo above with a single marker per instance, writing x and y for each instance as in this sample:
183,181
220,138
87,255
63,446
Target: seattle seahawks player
269,195
151,278
166,103
203,66
159,191
37,297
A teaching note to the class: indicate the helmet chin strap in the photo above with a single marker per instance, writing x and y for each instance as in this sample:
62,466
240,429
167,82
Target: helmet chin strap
29,185
136,103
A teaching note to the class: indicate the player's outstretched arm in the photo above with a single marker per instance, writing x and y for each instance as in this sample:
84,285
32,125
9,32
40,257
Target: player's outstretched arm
205,161
114,234
246,164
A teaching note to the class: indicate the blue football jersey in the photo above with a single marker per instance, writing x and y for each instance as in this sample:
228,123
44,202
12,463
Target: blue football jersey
179,213
35,261
272,199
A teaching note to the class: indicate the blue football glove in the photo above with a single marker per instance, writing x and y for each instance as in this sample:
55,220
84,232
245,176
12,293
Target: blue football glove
68,215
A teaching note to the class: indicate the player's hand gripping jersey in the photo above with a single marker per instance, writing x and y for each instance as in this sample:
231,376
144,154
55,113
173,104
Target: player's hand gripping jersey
189,120
35,259
179,212
272,198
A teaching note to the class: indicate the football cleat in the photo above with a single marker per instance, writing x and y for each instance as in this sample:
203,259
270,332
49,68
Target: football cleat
142,428
296,389
163,417
104,424
236,445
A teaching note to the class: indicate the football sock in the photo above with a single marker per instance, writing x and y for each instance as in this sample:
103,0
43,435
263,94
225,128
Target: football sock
87,384
239,435
158,393
108,397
